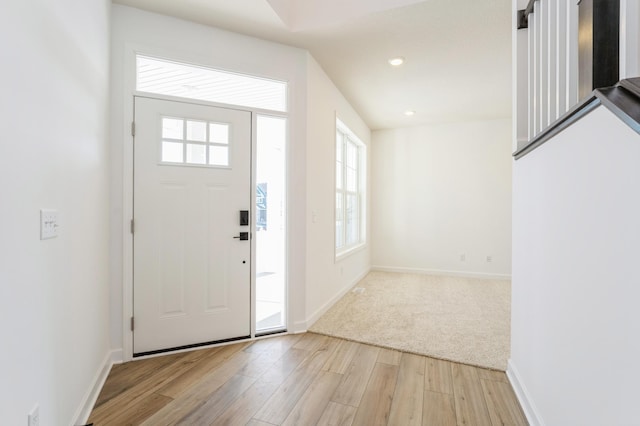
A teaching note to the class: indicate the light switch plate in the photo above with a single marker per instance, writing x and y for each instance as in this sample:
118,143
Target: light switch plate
48,224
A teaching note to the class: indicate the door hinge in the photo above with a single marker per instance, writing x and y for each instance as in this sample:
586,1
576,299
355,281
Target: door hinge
132,226
133,128
131,323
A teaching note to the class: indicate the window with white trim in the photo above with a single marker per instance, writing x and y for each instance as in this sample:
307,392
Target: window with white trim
165,77
194,142
350,190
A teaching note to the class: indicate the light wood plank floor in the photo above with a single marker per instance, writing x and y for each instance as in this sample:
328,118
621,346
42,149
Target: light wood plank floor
305,379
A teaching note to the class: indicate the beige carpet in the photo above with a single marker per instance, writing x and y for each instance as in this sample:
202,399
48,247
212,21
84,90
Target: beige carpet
458,319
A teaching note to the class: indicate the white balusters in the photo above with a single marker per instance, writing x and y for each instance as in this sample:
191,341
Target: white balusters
552,68
562,93
544,63
572,53
552,58
520,86
533,77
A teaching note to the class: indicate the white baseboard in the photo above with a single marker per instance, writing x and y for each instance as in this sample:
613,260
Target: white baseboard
117,356
90,398
530,411
324,308
299,327
467,274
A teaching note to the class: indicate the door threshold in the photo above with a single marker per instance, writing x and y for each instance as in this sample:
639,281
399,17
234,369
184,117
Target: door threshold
271,332
193,346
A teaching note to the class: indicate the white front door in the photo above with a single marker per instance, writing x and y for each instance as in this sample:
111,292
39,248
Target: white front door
192,177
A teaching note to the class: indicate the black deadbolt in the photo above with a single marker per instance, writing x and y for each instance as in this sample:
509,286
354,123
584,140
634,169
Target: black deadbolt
244,217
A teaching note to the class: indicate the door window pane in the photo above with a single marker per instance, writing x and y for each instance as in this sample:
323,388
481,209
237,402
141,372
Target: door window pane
197,131
172,128
219,133
196,154
195,142
172,152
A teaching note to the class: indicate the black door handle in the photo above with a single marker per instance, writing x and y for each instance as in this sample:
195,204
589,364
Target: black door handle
243,236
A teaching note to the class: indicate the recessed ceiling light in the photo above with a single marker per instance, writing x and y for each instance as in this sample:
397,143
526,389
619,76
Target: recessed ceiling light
409,112
396,62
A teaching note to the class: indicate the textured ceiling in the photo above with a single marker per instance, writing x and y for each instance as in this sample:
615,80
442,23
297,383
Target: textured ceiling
458,52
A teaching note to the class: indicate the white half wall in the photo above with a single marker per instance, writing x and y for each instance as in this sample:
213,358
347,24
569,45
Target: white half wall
328,279
575,292
440,192
54,154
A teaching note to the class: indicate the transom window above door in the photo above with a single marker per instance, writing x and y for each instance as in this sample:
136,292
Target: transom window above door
194,142
164,77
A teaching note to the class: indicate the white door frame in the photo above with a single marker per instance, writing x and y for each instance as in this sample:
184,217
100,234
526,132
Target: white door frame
211,198
130,92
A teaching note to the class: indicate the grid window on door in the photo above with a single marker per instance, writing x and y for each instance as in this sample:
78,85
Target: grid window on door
195,142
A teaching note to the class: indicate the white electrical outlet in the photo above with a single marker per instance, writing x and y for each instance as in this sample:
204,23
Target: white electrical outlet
34,416
463,257
489,259
48,224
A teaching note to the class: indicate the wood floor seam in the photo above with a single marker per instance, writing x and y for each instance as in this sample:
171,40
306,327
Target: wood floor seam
348,405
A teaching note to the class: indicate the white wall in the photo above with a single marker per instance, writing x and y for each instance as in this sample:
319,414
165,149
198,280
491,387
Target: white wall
440,191
53,154
574,327
310,175
327,279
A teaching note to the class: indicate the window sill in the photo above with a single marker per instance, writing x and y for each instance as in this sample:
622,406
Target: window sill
351,251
